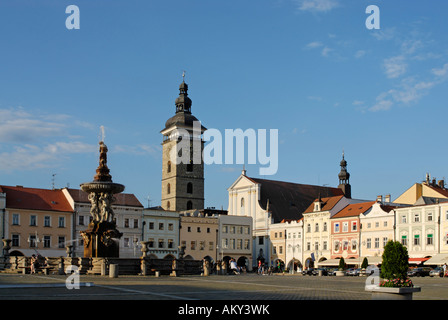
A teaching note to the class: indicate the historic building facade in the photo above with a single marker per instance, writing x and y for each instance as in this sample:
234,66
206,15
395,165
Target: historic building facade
37,221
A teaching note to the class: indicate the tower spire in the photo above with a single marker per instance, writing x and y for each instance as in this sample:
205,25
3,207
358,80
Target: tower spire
344,177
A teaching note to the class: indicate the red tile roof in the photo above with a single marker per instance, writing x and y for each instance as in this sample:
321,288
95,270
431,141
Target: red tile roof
354,209
327,204
35,199
122,199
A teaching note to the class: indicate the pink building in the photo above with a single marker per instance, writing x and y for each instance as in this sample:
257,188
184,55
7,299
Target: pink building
345,231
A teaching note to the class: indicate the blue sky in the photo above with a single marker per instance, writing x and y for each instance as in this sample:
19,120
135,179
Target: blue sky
309,68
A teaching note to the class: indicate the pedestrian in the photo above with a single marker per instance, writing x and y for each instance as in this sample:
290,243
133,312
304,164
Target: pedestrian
34,264
259,267
444,270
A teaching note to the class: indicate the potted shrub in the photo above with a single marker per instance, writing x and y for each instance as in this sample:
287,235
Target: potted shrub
394,283
341,269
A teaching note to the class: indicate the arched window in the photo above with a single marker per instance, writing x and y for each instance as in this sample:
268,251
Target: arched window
189,205
168,188
189,187
168,205
168,169
242,207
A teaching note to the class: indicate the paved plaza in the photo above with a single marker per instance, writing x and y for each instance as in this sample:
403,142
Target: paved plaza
190,288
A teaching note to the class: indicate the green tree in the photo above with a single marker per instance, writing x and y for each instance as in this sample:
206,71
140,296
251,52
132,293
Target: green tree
365,263
341,264
395,261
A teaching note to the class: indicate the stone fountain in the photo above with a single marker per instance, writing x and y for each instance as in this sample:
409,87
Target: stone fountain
101,236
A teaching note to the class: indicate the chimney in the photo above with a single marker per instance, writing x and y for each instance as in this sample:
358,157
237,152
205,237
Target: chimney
379,198
441,183
387,198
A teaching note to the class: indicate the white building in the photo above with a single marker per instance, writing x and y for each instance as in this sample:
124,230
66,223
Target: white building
377,228
161,230
269,202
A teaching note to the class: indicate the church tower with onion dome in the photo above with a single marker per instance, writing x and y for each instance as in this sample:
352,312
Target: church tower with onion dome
183,167
344,179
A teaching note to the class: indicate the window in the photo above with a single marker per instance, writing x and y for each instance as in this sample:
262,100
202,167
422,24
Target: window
161,243
168,188
345,245
15,219
354,245
239,244
193,245
198,229
189,187
403,219
61,223
336,246
126,223
242,207
316,228
151,226
377,243
369,243
308,246
404,240
170,243
47,221
345,227
416,240
429,217
81,220
189,205
15,240
126,242
47,242
308,228
354,226
225,243
151,243
170,226
336,227
33,220
385,239
325,226
161,226
168,167
61,242
168,205
429,240
202,245
260,240
225,229
246,244
135,223
416,217
325,246
210,245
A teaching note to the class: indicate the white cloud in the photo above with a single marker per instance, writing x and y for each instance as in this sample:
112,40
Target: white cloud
440,72
360,53
326,51
317,5
395,66
315,44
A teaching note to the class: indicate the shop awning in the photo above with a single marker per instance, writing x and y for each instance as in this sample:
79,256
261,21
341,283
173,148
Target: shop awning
438,259
417,260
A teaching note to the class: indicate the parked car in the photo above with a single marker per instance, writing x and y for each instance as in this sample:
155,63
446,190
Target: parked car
437,272
315,272
308,272
331,272
353,272
419,272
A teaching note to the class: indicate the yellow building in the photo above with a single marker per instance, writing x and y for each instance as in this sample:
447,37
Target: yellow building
429,189
38,221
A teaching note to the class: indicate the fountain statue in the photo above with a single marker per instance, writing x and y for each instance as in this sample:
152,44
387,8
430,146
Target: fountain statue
101,236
